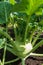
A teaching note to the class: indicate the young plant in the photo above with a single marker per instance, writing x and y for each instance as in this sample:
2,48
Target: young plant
22,18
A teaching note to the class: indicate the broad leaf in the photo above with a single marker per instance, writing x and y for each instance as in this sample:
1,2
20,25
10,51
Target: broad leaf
12,1
28,6
34,4
40,11
5,9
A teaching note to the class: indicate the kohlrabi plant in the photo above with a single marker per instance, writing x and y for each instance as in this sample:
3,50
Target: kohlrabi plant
25,18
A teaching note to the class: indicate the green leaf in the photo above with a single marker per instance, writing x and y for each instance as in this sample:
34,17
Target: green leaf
40,12
4,6
41,23
28,6
2,21
34,4
12,1
22,6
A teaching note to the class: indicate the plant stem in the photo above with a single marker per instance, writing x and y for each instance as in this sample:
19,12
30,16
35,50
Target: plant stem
33,43
4,55
35,54
27,56
23,61
28,18
12,61
33,32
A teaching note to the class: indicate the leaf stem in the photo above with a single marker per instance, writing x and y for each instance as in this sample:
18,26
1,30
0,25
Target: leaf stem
35,54
4,55
33,32
14,60
27,27
33,43
23,61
